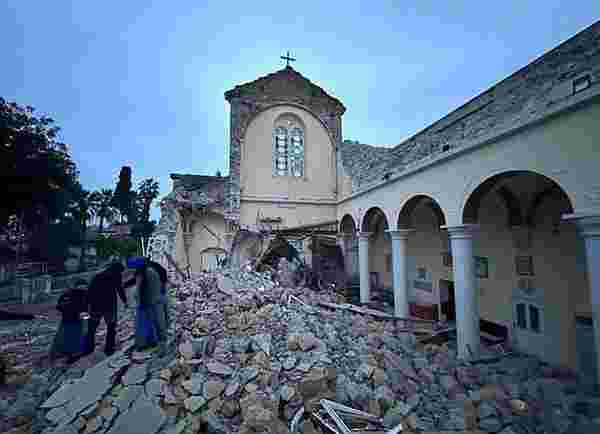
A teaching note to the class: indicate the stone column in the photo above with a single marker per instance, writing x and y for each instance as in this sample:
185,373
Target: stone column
467,308
363,259
589,228
228,241
343,240
188,237
400,271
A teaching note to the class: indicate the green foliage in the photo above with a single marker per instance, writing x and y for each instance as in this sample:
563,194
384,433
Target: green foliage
148,191
104,210
123,197
108,246
60,236
35,167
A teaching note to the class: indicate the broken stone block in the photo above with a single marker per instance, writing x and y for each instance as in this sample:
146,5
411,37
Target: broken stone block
262,342
289,363
378,377
251,388
93,425
294,342
165,374
186,350
219,368
486,410
374,408
287,393
203,346
232,388
470,415
490,424
194,403
212,389
230,408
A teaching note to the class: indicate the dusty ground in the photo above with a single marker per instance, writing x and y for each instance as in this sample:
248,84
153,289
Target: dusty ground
30,341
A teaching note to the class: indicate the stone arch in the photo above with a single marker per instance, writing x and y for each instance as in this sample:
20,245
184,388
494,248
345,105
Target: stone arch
554,191
406,210
347,225
373,218
518,215
247,121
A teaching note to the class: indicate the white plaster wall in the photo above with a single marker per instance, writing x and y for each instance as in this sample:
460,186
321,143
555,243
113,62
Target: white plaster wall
296,200
257,158
564,149
425,246
202,240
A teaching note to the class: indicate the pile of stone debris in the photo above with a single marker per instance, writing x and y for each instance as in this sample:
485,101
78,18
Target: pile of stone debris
257,357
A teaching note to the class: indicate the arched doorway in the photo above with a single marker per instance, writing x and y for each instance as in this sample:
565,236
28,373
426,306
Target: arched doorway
380,257
530,271
430,288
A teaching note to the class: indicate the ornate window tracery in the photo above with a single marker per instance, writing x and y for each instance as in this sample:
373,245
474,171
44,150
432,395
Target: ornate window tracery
288,147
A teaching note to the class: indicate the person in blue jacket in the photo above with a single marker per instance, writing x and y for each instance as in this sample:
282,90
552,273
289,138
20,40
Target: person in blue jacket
151,315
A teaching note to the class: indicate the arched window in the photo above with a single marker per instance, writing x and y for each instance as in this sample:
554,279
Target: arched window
280,153
288,147
297,152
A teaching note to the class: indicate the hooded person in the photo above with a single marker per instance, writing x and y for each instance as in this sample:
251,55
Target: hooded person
102,300
68,340
151,318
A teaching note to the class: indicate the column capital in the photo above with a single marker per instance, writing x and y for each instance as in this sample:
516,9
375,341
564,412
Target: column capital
400,234
587,223
188,237
364,235
461,231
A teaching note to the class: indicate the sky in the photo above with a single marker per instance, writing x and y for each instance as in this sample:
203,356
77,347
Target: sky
141,83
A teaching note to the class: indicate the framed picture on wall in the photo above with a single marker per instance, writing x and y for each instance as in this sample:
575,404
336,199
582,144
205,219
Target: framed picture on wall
481,267
524,265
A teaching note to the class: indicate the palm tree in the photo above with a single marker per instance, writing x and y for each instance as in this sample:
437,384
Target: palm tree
106,212
94,201
82,209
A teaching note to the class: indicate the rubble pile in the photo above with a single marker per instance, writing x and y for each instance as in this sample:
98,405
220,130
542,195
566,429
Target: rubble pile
253,356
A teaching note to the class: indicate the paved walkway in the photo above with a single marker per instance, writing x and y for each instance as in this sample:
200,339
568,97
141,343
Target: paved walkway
29,342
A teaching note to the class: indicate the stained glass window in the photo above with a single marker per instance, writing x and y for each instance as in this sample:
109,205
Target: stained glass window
297,152
281,151
288,150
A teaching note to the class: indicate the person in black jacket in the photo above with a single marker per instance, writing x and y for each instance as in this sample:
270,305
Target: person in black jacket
71,304
102,300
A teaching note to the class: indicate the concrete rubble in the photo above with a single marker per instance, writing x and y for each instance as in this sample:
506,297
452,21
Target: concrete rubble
252,355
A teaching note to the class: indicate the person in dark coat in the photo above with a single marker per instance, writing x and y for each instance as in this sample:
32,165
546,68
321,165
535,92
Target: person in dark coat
102,298
71,304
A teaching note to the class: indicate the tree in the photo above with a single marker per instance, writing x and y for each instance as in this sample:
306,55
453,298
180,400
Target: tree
105,211
148,191
123,196
82,210
36,170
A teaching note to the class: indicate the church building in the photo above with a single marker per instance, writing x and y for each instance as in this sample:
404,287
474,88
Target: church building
489,215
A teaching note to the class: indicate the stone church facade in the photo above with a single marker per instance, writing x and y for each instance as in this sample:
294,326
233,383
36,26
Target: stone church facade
492,212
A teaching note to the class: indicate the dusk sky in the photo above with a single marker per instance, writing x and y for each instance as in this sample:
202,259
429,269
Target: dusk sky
141,82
